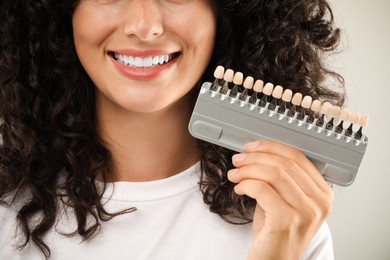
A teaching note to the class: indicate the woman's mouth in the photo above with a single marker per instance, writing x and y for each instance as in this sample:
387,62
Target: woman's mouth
145,66
144,62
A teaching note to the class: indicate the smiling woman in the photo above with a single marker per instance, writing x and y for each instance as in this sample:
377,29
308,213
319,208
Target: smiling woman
96,159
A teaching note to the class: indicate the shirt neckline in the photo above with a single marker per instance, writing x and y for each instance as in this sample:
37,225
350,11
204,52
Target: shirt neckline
152,190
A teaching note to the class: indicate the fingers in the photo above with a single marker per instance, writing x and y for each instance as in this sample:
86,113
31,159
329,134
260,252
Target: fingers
264,177
265,195
277,209
278,165
294,158
284,169
275,188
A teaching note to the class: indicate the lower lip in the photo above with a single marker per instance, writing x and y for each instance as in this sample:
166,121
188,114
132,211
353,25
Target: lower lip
142,73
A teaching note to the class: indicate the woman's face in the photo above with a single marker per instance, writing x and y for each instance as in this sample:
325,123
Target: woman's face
144,55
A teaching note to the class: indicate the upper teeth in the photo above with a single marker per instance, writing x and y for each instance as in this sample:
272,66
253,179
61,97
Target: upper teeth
142,61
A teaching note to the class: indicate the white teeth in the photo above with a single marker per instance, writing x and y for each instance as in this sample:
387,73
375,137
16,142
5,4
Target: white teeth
138,62
155,60
130,60
160,59
142,62
148,62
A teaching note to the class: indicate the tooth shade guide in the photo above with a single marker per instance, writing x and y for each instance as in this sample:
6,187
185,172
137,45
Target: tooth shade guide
337,148
278,95
285,102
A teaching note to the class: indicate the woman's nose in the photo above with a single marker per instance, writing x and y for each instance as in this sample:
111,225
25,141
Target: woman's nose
143,19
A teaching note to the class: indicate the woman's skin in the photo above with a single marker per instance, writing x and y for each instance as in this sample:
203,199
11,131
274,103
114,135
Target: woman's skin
143,114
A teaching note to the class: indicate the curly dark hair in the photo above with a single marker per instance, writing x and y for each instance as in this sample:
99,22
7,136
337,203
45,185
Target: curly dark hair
47,110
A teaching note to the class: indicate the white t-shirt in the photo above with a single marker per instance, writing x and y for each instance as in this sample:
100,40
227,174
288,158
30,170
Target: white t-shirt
171,222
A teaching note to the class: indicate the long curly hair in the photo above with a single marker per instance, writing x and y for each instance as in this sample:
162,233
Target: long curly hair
47,103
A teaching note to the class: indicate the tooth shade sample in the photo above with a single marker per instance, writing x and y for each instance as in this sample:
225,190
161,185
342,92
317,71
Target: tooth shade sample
267,90
287,95
238,78
229,74
335,112
297,99
325,108
363,121
306,102
219,71
278,91
345,114
248,82
354,118
316,106
258,87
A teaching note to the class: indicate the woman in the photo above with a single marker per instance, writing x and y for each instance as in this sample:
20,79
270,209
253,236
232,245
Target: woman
96,159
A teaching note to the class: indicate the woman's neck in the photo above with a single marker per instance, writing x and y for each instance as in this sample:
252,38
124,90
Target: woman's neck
147,146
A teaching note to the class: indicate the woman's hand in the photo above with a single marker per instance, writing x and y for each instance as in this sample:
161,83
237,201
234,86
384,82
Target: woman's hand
293,199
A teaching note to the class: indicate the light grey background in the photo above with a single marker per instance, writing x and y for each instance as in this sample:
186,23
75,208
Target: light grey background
360,222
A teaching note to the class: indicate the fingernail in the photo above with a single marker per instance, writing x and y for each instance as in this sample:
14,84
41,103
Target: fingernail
239,157
252,145
238,190
232,172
